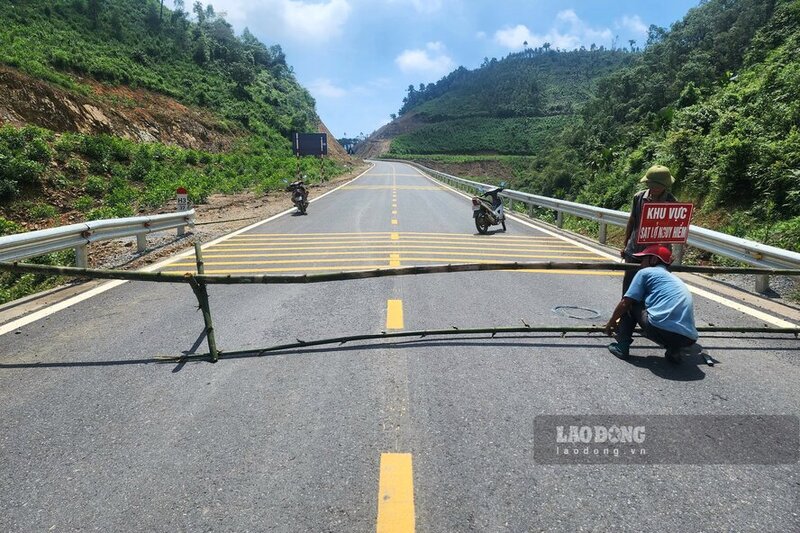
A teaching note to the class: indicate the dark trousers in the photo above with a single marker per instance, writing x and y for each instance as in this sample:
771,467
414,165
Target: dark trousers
638,315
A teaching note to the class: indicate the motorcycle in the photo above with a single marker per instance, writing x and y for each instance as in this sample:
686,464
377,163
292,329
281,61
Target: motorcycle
299,195
489,212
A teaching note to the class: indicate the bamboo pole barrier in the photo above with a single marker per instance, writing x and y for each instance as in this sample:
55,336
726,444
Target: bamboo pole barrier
162,277
562,330
201,292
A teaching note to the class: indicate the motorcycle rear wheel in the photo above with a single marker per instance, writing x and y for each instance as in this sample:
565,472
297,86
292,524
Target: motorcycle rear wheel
482,225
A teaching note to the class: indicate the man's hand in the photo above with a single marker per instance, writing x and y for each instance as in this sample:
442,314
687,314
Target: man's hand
611,328
622,253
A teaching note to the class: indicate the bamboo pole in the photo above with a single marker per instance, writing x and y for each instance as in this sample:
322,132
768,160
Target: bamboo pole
201,291
477,331
162,277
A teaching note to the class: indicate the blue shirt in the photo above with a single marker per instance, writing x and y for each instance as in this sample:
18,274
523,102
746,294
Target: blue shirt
667,300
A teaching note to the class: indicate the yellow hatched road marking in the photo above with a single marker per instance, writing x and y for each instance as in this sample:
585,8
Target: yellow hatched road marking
213,258
267,270
285,262
573,251
456,245
420,240
404,235
394,314
394,260
301,270
351,234
396,494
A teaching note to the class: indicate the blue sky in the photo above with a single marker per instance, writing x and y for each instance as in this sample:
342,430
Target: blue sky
357,57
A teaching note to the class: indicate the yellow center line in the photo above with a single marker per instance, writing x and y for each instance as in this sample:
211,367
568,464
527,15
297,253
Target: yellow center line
394,314
394,211
396,494
394,222
395,236
394,260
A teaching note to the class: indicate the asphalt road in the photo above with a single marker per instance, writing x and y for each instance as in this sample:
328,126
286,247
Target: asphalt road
96,434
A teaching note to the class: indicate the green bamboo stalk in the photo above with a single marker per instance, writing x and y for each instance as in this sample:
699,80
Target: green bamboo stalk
161,277
201,291
477,331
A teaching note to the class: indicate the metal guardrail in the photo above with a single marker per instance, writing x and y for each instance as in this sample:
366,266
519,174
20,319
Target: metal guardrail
80,236
722,244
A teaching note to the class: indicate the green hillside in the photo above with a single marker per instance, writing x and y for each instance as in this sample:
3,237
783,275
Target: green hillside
714,98
135,43
508,106
88,48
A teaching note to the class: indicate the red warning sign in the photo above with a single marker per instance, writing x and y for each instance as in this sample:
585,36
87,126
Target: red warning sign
664,223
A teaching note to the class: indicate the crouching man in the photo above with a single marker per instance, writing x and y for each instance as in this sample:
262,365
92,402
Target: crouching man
660,303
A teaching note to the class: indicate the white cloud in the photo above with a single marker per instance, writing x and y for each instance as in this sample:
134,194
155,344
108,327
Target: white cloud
301,20
433,60
317,22
323,87
568,32
422,6
634,24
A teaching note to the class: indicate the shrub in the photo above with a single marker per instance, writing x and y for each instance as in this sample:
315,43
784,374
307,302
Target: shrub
42,212
96,186
101,213
83,204
9,227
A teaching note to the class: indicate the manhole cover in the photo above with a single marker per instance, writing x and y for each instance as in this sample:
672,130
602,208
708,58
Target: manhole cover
578,313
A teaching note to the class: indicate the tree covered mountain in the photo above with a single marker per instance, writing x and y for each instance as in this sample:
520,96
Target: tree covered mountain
714,98
506,106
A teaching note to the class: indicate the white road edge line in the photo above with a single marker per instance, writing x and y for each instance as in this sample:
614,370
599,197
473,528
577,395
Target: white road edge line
736,306
47,311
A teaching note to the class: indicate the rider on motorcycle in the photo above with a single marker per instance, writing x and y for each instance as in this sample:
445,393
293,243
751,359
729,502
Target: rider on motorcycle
300,186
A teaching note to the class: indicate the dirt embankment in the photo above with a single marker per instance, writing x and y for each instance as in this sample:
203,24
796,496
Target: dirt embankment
134,114
378,142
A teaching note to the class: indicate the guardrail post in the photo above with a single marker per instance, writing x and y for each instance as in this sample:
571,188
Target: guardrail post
762,283
181,230
602,237
531,210
141,242
560,219
82,256
677,256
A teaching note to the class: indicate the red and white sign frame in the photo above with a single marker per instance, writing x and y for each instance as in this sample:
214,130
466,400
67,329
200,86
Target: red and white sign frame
664,223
